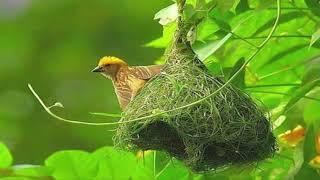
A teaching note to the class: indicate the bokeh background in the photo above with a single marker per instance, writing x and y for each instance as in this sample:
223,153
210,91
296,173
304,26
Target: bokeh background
53,45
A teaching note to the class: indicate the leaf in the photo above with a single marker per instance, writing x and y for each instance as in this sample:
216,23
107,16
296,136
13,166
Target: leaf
119,165
315,37
166,38
5,156
174,168
206,28
242,6
72,164
284,18
264,4
239,80
204,50
314,6
312,70
300,93
167,15
31,170
227,5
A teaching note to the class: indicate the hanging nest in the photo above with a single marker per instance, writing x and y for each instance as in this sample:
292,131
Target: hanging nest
226,128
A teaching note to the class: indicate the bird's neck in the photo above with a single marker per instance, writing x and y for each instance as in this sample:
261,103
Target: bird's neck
120,75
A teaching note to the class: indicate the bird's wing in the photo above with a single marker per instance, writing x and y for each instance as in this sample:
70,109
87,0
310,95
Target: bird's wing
124,95
146,72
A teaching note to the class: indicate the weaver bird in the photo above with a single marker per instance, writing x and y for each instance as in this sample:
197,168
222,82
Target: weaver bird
127,80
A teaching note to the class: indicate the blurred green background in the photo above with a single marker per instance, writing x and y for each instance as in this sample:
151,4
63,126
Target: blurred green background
53,45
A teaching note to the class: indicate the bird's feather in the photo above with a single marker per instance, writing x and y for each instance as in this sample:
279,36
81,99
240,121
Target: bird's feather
145,72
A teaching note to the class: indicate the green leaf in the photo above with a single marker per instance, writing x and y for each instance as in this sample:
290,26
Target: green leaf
31,170
264,4
312,70
227,5
314,6
72,164
204,50
5,156
164,41
167,15
242,6
119,165
284,18
315,37
301,92
239,80
206,28
175,169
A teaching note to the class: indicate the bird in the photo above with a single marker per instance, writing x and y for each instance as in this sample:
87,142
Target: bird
127,80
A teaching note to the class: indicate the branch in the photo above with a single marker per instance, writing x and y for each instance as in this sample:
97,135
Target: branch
47,109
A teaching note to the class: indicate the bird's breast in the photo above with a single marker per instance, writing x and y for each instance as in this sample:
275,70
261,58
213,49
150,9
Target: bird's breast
135,84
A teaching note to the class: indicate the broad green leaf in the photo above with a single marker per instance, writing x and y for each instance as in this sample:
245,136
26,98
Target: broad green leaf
72,164
119,165
31,170
287,51
5,156
167,15
284,18
312,70
314,6
204,50
264,4
239,80
227,5
192,2
164,41
206,28
315,37
242,6
311,111
301,92
175,169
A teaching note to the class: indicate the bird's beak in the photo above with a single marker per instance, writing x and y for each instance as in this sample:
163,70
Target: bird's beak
97,69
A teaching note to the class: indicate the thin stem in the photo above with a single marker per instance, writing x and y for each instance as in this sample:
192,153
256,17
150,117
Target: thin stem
285,94
272,85
276,36
244,39
276,72
67,120
164,168
154,163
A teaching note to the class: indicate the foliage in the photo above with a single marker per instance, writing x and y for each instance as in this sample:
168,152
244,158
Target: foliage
206,123
284,76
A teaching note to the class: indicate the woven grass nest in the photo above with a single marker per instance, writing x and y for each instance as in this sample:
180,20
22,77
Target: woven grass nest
226,128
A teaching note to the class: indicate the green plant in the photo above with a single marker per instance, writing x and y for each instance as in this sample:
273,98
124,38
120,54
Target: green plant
284,74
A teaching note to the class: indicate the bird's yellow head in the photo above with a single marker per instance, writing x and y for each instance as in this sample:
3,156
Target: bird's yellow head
109,66
109,60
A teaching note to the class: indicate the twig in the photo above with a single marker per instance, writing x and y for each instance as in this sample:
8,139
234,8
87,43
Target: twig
285,94
272,85
47,109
